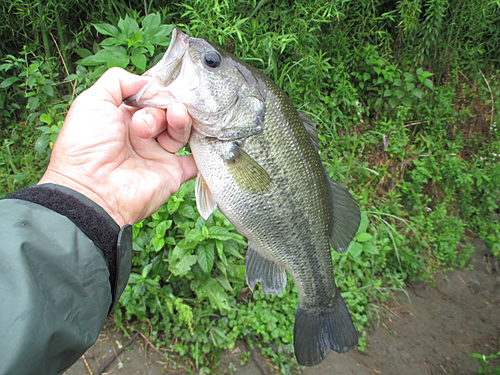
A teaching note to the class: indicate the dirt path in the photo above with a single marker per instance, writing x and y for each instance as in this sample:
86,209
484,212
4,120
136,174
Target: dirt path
431,335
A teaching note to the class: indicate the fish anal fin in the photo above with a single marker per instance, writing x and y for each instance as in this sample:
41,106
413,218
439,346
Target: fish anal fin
204,199
320,329
258,268
346,217
247,173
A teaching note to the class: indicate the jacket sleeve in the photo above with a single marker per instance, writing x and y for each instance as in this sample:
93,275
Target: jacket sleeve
63,265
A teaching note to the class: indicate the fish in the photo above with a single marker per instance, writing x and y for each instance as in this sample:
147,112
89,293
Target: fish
259,163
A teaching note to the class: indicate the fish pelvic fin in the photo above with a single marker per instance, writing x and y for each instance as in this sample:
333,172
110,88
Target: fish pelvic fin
321,329
247,173
346,217
258,268
204,200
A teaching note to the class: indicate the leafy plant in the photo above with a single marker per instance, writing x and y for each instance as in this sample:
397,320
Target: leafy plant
128,43
485,367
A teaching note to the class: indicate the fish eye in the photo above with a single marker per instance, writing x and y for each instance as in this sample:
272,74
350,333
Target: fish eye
212,59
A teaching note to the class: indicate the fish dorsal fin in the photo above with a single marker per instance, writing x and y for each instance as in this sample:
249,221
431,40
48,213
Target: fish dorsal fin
247,173
346,217
204,200
259,268
311,128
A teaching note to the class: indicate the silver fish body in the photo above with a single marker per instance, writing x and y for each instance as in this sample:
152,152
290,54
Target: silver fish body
258,163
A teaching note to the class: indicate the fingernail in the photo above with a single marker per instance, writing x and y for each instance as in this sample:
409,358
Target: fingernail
149,121
178,109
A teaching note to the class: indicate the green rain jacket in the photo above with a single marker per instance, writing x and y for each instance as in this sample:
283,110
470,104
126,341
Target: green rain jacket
64,262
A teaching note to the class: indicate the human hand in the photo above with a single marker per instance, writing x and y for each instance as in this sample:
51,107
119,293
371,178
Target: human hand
108,151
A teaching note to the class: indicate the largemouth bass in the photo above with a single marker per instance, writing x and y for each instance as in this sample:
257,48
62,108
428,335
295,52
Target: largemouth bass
258,162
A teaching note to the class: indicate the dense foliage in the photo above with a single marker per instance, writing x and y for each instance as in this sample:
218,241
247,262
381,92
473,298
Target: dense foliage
404,96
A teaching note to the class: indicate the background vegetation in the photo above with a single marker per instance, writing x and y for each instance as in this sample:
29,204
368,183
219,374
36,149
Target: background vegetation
406,97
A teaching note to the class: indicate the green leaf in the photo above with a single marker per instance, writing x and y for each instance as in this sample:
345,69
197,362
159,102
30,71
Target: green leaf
48,90
204,231
162,227
42,143
129,26
224,283
356,250
206,256
428,83
400,94
232,248
219,233
33,102
409,77
363,237
106,29
46,118
195,235
220,251
417,92
409,86
146,270
8,82
83,52
117,61
213,291
363,224
138,58
158,243
105,55
393,102
182,259
388,92
366,76
398,82
151,21
370,248
173,204
186,210
181,192
406,101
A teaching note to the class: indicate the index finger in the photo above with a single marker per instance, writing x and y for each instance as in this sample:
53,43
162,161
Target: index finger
117,84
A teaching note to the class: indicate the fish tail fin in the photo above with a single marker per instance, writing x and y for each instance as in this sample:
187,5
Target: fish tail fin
321,329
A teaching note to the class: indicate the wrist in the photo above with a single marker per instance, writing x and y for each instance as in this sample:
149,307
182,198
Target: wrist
53,177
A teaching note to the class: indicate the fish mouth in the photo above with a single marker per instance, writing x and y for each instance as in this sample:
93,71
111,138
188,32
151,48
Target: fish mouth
153,94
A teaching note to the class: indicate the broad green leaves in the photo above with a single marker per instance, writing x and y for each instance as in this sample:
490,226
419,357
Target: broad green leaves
212,290
128,43
178,245
387,82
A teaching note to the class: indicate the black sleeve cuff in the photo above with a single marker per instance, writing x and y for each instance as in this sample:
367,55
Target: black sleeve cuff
91,219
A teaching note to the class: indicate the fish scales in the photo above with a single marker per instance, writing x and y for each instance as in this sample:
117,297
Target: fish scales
292,241
258,163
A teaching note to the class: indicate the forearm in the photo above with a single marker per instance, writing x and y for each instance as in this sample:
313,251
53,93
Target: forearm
61,273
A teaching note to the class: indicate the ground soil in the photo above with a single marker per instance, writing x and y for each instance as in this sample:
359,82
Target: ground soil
429,330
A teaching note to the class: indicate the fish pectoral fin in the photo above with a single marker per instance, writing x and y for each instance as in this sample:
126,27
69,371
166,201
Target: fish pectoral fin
346,217
204,200
258,268
247,173
319,329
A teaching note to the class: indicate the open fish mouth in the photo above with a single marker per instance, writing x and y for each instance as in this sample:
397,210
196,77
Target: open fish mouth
163,73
